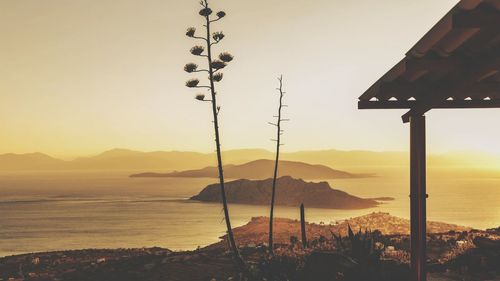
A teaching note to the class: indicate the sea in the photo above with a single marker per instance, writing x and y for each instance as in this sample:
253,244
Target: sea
50,211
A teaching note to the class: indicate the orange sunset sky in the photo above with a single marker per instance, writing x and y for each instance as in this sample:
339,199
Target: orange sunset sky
82,76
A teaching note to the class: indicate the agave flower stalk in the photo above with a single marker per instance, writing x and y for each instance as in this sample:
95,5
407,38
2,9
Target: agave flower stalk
213,68
279,132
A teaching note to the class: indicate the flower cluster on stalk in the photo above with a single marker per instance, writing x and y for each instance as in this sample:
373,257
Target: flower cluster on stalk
215,65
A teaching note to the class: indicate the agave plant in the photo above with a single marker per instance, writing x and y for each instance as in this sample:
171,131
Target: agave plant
213,67
360,245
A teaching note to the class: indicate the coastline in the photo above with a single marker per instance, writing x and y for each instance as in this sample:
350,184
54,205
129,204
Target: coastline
214,261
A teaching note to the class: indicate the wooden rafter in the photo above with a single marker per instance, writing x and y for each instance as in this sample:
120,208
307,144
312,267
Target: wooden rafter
403,90
484,18
476,72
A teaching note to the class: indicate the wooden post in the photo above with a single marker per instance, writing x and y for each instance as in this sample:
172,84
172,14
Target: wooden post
303,226
418,198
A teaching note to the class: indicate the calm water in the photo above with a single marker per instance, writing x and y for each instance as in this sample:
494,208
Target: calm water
55,211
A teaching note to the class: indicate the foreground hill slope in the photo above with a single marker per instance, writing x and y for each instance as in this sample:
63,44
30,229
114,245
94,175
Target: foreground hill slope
256,231
261,169
445,254
289,192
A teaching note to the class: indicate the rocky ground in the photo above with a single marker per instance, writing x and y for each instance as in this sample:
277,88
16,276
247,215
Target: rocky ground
455,253
256,231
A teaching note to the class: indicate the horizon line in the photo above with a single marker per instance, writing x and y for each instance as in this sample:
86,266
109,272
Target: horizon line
69,158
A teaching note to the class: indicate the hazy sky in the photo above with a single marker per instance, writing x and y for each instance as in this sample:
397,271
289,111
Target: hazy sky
81,76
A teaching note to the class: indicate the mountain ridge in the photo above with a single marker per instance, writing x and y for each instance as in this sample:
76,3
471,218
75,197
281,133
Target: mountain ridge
133,160
260,169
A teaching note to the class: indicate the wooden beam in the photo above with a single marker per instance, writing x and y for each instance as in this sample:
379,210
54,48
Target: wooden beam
480,91
479,18
485,38
390,86
405,89
390,75
494,103
457,84
433,64
402,90
418,198
410,67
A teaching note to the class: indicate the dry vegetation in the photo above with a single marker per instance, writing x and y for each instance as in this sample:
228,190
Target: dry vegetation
454,254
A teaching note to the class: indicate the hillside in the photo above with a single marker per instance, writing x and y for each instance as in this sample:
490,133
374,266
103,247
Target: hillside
448,252
260,169
256,231
289,192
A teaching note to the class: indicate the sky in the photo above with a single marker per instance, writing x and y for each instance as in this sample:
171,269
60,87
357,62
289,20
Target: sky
82,76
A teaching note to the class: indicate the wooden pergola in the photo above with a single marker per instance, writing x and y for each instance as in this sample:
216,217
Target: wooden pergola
456,64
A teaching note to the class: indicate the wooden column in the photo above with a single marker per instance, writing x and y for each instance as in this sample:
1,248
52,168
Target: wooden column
418,198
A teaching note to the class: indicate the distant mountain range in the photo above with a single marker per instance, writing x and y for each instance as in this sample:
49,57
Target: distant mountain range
123,159
29,161
164,161
289,192
261,169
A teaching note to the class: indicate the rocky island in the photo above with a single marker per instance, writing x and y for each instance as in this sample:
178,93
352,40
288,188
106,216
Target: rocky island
261,169
289,192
